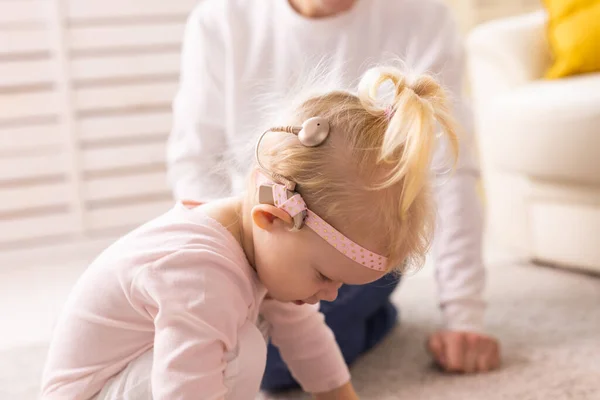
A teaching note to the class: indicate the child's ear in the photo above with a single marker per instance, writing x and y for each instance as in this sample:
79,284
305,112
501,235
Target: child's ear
264,215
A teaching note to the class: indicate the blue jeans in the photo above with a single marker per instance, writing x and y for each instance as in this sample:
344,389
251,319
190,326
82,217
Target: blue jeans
360,318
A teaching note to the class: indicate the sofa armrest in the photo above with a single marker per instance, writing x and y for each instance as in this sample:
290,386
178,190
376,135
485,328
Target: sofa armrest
507,53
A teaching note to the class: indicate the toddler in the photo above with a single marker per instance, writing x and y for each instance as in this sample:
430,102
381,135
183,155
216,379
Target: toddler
340,195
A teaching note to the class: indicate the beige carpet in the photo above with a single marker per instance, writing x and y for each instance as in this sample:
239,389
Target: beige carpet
548,321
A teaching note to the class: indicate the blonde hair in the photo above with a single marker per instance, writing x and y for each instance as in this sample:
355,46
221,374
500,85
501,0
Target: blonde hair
374,169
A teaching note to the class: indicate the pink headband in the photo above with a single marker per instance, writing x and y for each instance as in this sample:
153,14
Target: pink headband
293,204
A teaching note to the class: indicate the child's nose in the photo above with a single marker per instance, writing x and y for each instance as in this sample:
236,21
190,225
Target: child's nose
330,295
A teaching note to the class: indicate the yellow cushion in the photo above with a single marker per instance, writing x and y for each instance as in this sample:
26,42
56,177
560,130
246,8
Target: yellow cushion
574,36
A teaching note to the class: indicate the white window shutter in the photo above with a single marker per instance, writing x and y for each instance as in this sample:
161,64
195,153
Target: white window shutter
85,109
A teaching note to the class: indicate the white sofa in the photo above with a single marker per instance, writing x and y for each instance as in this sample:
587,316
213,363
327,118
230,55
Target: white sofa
539,144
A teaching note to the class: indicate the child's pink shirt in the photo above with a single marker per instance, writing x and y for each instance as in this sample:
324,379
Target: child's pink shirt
181,284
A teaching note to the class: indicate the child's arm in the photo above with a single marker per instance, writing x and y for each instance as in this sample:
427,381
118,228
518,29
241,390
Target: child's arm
195,324
345,392
308,347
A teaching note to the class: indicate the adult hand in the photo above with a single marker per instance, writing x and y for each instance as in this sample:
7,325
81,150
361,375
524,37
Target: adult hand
464,351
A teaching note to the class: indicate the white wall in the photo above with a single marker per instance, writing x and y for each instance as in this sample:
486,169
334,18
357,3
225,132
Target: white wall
470,13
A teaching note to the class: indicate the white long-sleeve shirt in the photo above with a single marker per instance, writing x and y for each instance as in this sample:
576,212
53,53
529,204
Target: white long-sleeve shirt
241,56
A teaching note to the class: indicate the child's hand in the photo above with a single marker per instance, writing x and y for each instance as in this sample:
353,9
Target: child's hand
345,392
464,351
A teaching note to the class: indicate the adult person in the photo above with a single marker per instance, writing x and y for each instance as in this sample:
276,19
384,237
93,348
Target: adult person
236,53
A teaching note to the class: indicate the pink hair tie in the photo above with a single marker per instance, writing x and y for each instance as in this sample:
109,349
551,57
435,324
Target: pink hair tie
389,112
